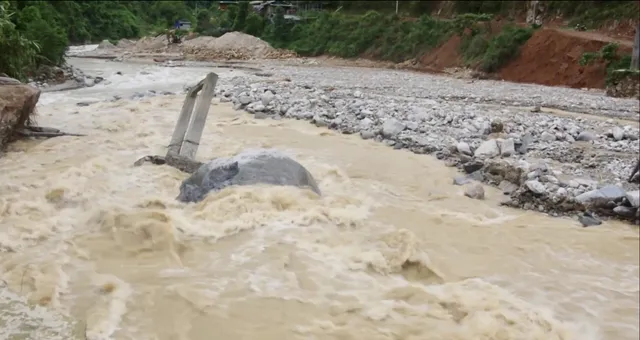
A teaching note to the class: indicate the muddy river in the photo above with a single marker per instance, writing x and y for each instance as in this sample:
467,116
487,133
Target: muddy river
392,250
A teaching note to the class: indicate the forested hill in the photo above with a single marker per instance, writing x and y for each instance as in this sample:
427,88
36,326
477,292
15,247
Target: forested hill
38,32
33,33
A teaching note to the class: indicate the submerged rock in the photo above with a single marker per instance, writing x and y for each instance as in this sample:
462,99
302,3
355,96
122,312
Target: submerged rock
250,167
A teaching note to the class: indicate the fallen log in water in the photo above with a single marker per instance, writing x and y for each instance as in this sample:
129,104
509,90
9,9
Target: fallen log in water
181,163
43,132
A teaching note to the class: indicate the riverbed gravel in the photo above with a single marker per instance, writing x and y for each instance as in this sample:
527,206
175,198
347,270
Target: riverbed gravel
505,134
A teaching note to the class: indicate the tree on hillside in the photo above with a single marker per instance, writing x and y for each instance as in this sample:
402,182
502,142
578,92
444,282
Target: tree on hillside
18,53
254,24
166,13
48,34
77,28
241,17
110,20
203,21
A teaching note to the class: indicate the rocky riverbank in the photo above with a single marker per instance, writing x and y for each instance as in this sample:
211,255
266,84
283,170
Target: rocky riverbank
495,132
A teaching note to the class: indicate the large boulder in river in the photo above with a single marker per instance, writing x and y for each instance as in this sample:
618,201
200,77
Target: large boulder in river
17,103
262,166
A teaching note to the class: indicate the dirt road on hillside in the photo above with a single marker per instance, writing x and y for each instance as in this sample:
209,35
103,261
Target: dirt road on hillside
596,36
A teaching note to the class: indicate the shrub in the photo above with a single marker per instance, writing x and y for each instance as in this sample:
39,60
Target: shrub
504,47
18,53
51,38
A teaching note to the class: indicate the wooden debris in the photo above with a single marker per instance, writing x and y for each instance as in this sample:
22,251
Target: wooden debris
181,163
45,132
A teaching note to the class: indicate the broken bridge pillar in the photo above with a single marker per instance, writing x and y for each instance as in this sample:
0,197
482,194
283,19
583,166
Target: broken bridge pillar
188,131
635,54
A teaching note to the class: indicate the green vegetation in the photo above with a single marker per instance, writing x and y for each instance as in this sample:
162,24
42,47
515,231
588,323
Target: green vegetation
610,56
489,52
384,37
18,52
36,33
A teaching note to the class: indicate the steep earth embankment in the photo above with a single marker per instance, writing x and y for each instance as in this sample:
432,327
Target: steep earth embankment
550,57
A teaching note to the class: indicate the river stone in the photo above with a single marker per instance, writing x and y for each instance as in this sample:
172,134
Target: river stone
618,133
261,166
588,220
487,149
634,198
507,147
474,190
392,127
267,97
586,136
602,195
464,148
536,187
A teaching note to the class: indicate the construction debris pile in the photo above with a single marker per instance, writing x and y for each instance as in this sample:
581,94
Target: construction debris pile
232,45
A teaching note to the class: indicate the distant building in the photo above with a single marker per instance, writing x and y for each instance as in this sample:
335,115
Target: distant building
268,9
223,5
182,25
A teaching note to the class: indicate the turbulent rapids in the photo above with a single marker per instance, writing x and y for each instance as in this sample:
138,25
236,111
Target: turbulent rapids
390,250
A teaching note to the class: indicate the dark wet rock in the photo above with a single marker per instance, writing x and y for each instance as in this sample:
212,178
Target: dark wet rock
461,180
260,115
472,166
625,211
367,134
602,196
247,168
588,220
465,158
496,126
477,176
499,170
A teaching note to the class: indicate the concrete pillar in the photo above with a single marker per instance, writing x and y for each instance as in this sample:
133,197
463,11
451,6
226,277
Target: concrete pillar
199,118
635,55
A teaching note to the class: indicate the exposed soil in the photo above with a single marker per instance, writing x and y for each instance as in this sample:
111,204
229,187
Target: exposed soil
445,56
551,57
598,36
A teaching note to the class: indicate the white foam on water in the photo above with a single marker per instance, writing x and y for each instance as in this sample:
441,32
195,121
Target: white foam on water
375,257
